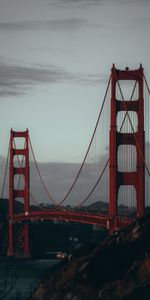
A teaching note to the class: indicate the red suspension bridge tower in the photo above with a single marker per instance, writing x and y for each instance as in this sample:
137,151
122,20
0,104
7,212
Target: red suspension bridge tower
133,178
20,236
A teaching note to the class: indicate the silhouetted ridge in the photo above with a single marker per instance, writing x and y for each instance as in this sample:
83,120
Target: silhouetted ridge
117,268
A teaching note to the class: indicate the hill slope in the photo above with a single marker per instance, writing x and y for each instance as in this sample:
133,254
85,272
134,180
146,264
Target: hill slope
118,268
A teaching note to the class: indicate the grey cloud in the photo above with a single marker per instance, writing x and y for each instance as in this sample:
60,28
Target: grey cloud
86,2
93,78
142,2
66,24
100,2
14,77
17,79
56,24
132,2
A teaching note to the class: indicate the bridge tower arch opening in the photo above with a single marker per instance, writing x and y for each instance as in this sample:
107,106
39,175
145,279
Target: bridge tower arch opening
18,234
117,178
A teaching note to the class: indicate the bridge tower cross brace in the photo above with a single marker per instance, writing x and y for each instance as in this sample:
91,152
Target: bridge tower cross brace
18,193
135,178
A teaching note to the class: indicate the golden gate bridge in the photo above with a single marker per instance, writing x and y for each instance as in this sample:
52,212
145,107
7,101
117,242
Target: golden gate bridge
125,139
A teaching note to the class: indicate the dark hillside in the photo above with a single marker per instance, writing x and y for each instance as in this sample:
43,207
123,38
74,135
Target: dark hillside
117,268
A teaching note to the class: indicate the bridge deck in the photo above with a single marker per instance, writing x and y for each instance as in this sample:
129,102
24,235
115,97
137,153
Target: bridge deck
71,216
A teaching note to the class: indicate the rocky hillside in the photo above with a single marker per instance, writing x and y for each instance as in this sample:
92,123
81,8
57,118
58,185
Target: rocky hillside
117,268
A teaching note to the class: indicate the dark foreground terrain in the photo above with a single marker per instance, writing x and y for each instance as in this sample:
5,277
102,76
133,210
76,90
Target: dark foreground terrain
117,268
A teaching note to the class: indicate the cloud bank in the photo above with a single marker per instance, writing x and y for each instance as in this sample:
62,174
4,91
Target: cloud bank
17,79
55,24
58,178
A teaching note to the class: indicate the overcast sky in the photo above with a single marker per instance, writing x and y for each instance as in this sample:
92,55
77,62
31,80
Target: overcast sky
55,60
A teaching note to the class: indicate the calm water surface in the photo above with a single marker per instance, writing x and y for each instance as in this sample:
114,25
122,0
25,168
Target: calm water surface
19,278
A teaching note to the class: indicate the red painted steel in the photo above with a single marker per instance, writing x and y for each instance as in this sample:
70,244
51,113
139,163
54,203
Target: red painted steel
17,193
116,179
72,216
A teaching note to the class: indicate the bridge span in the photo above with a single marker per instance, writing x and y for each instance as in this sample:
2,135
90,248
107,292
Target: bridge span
71,216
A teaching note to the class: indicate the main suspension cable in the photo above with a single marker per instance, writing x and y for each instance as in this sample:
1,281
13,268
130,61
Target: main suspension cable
146,83
81,167
36,202
107,162
94,185
38,170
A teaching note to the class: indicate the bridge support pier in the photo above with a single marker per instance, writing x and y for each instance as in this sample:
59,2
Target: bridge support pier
18,239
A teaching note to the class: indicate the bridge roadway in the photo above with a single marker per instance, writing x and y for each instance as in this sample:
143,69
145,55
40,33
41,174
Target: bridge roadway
71,216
